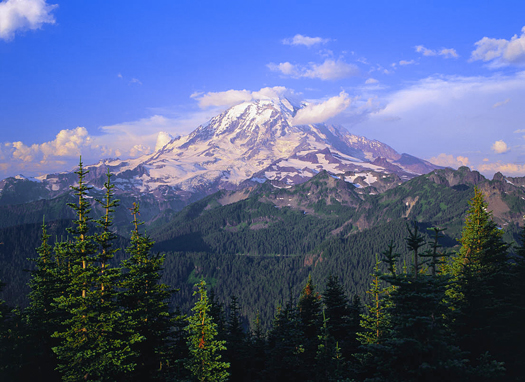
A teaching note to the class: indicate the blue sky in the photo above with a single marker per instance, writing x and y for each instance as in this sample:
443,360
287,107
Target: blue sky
441,80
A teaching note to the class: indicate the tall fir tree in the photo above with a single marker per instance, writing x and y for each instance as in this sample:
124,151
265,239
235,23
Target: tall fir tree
375,322
414,241
286,346
337,308
310,314
108,276
479,295
204,360
341,317
95,345
145,302
48,282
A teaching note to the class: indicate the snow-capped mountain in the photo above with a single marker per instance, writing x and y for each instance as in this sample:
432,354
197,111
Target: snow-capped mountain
251,142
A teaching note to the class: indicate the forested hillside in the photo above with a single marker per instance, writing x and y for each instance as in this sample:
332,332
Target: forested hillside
322,226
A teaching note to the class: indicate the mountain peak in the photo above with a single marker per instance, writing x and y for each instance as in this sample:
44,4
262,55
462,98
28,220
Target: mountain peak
251,142
261,109
248,122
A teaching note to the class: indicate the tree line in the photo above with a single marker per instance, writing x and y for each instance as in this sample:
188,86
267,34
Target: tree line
439,316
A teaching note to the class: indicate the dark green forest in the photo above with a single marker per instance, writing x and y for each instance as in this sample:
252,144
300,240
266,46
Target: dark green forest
254,291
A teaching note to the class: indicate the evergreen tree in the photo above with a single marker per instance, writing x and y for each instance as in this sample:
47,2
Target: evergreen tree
145,303
95,345
330,363
375,323
218,315
204,360
235,342
16,348
108,276
286,346
436,259
418,346
479,296
342,319
48,282
414,241
257,351
337,308
179,352
310,314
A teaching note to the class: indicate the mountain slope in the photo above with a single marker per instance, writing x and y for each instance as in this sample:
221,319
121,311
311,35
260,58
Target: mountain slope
268,220
247,144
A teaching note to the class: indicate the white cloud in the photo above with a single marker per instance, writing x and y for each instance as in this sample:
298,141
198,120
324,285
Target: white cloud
163,139
448,160
47,156
404,63
234,97
135,81
501,52
500,147
139,150
448,90
137,137
125,140
501,103
285,68
299,39
226,98
318,113
19,15
504,168
371,81
489,49
426,52
329,70
448,52
67,143
274,93
449,111
445,52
